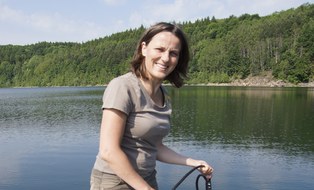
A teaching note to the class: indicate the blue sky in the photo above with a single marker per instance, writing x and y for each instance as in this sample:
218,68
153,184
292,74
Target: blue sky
31,21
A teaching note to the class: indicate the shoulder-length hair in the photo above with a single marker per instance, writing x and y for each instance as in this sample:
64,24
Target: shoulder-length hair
177,76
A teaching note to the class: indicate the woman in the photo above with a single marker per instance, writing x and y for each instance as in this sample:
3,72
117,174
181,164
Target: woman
136,114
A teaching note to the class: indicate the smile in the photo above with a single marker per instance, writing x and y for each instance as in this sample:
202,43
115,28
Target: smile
161,66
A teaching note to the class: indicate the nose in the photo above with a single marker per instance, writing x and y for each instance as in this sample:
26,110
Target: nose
165,56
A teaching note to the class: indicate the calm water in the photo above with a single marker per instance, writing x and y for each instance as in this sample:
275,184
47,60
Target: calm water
256,138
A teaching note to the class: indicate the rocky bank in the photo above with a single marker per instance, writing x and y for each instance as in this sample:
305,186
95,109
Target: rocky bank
262,81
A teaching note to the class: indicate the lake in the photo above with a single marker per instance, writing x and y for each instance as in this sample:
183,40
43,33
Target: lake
255,138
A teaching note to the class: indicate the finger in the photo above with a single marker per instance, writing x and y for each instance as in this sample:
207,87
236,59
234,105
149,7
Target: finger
209,176
207,170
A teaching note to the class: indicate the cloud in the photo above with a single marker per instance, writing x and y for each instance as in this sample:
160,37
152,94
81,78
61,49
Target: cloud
186,10
114,2
22,23
7,14
152,11
52,27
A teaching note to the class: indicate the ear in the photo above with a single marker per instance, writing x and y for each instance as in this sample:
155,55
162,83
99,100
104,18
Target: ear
144,49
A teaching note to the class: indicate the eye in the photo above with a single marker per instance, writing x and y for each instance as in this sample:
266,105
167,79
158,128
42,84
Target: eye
174,53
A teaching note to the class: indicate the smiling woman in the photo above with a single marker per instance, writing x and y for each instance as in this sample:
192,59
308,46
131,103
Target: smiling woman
163,42
136,114
161,55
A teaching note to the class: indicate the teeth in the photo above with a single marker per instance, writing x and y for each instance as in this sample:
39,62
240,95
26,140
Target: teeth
162,66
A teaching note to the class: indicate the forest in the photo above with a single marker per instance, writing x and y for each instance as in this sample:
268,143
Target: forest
221,50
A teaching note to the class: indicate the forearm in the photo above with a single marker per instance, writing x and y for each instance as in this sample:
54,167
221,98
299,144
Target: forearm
167,155
120,164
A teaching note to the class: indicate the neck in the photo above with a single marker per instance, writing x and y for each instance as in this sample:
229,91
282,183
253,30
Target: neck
154,91
152,87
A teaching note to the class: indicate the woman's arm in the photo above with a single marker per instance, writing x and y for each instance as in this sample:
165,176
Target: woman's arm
112,129
167,155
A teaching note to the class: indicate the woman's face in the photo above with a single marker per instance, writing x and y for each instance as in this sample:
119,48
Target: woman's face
161,55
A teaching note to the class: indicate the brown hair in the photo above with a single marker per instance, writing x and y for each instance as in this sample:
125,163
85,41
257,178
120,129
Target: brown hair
177,76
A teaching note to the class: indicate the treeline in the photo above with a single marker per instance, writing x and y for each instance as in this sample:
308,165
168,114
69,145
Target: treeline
221,50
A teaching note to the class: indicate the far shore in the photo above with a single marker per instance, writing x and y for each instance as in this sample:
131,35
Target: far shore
285,85
256,81
261,81
262,84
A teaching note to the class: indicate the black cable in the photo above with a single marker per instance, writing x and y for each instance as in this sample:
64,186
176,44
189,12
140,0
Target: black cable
208,185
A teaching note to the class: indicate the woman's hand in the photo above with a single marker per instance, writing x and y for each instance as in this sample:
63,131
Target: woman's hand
206,169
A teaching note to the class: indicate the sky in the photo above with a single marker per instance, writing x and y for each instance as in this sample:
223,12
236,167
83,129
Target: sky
25,22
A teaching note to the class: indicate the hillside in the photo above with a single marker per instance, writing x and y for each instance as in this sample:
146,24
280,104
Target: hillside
233,50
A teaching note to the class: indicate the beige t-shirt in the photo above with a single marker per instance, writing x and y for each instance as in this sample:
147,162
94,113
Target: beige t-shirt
147,123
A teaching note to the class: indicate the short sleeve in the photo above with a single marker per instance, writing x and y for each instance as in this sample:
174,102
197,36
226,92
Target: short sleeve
117,96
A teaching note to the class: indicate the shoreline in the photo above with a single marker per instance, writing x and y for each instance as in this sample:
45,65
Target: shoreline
286,85
256,81
272,84
262,81
231,84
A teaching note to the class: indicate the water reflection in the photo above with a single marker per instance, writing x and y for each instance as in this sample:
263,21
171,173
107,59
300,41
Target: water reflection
256,138
245,117
48,133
